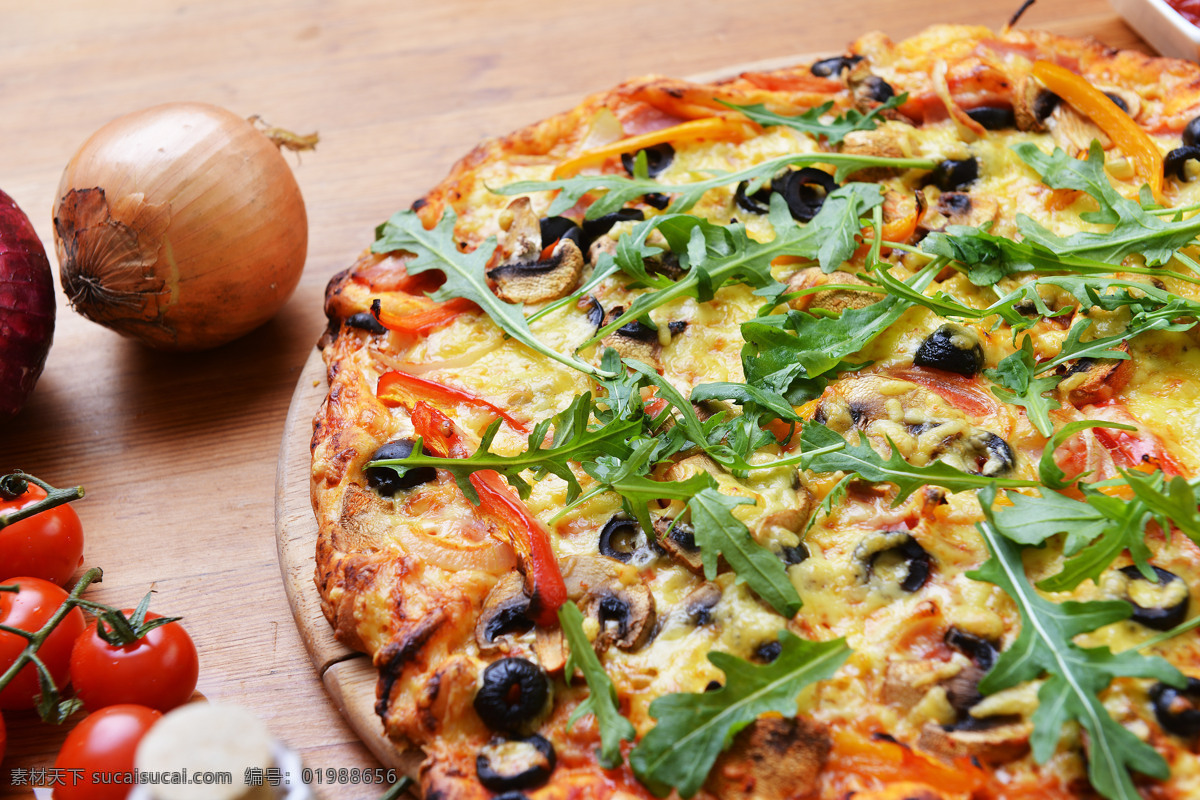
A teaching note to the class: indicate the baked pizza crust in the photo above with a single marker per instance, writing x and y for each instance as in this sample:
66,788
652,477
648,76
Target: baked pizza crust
404,579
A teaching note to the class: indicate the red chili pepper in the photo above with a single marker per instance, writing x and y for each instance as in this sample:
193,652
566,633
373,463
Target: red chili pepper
401,389
528,536
435,316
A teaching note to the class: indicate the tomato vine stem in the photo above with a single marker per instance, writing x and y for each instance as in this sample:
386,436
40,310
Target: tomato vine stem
15,484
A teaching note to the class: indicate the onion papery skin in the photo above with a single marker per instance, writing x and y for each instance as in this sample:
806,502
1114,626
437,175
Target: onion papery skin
181,226
26,307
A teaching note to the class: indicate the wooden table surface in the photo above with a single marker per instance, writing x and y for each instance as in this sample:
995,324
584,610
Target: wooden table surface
178,453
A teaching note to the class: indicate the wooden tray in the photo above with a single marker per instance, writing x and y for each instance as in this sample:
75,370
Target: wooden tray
348,675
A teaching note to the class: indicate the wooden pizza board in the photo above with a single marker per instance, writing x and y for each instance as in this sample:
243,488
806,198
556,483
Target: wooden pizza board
348,675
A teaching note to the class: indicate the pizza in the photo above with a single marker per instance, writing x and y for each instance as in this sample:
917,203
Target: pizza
822,432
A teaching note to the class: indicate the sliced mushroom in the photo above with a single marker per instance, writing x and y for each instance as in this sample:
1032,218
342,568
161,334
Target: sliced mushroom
890,140
866,88
638,341
832,300
615,596
505,611
916,421
995,744
679,540
961,208
700,602
541,280
1032,104
773,757
522,232
1095,380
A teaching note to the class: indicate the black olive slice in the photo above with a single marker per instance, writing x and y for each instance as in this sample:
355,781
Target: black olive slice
386,481
595,312
1118,101
514,692
976,648
903,547
954,173
1044,104
993,118
616,612
793,554
1175,709
877,89
757,203
1175,162
1159,618
767,652
658,158
555,228
623,539
952,348
593,229
365,320
656,200
1191,132
510,765
998,456
805,191
832,67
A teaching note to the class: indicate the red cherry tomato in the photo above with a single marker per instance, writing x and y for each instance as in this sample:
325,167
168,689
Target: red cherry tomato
105,742
48,545
158,670
30,609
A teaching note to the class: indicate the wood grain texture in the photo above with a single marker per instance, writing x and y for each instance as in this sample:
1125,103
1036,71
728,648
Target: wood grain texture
179,453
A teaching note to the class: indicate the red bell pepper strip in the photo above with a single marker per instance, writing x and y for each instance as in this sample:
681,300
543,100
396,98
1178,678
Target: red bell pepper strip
435,316
527,534
401,389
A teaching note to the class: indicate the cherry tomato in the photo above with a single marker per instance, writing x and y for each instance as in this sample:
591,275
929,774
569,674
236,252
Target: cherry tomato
29,609
158,670
105,742
48,545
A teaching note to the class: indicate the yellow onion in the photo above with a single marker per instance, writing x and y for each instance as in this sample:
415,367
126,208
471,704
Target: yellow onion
181,226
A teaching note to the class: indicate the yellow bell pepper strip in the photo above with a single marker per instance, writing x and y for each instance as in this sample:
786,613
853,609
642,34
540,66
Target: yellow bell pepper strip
400,389
1137,146
707,128
527,534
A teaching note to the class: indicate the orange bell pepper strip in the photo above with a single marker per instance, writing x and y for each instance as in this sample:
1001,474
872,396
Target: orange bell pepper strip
437,315
892,762
526,533
1137,146
707,128
401,389
902,214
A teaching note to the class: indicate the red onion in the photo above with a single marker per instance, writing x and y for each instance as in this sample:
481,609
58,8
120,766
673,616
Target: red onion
26,307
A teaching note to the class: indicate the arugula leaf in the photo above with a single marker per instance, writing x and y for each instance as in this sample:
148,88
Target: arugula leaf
627,477
1124,529
465,275
810,121
714,255
1032,519
719,533
693,729
619,190
1180,503
862,460
602,695
1076,675
1134,230
1013,382
573,441
800,345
